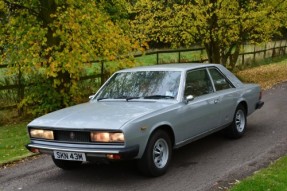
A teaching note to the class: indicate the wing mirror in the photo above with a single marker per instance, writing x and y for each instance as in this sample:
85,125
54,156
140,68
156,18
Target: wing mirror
189,98
91,97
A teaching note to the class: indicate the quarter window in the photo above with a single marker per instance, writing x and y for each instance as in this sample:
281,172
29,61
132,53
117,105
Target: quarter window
197,83
220,82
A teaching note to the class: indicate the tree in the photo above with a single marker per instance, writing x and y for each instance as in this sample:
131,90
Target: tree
221,26
51,42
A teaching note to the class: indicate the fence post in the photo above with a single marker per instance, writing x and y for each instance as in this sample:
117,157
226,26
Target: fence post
280,49
274,50
179,57
243,61
254,54
157,57
20,89
265,50
102,72
201,55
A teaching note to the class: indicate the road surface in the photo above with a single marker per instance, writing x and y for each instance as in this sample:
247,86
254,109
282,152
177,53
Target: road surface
208,164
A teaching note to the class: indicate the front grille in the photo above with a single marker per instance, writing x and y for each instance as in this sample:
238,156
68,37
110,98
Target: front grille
72,136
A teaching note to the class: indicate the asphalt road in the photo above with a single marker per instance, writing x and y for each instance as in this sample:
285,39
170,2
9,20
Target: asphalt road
207,164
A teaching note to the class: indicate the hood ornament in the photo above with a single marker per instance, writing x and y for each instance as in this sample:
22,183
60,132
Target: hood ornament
72,135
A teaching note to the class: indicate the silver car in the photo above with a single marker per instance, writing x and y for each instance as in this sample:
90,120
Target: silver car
144,113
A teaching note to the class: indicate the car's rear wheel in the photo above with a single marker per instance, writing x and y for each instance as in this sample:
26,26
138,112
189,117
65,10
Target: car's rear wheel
156,158
239,123
66,164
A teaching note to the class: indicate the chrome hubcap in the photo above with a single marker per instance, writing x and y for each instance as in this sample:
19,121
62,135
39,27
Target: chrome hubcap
160,153
240,121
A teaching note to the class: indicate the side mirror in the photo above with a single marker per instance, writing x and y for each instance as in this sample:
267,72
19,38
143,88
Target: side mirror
91,97
189,98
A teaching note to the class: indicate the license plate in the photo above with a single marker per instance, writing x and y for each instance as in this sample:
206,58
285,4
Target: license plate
75,156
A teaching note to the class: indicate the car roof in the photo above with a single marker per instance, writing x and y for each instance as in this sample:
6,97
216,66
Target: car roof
169,67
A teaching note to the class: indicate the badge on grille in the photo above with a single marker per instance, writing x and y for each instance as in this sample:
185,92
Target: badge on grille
72,135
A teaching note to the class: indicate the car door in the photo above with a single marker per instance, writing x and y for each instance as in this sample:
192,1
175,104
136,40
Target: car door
226,94
199,115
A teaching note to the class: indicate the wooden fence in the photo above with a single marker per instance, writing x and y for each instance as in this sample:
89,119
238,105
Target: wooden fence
256,53
250,54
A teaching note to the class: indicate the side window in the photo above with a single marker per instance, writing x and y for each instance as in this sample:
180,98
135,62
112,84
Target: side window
219,80
197,83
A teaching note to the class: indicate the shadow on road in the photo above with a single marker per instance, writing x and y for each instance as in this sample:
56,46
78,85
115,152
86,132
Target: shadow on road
114,174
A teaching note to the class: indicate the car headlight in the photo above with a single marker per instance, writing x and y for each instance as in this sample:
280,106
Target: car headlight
42,134
107,137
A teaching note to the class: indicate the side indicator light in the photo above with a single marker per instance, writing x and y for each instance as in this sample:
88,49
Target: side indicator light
34,150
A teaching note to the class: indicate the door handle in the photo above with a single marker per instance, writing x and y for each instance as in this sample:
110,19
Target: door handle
216,101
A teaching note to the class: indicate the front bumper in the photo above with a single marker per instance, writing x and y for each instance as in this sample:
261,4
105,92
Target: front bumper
91,153
259,104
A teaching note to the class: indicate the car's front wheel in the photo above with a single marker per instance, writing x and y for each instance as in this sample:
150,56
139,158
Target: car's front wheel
156,158
66,164
239,123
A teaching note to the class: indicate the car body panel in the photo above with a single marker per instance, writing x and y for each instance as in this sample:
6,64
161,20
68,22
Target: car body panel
98,115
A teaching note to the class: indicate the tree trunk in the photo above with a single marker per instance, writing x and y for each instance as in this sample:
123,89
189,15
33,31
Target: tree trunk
213,52
49,7
228,55
234,57
212,47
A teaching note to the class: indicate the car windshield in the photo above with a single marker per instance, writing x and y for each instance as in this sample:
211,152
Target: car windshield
141,84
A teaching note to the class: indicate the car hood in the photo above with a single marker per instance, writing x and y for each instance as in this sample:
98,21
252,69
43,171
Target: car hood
98,115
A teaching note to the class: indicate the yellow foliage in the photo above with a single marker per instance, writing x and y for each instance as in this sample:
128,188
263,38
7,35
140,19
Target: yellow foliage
52,46
220,26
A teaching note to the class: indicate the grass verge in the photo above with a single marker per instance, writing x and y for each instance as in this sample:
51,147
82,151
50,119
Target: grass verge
272,178
13,139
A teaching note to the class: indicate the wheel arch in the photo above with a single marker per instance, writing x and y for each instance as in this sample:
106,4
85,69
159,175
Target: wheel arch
168,129
244,104
236,129
150,164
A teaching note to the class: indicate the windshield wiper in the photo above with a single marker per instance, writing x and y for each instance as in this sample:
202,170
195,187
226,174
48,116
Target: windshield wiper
127,98
101,98
130,98
158,97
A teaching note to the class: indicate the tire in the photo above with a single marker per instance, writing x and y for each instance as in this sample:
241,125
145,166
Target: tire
156,158
66,164
239,124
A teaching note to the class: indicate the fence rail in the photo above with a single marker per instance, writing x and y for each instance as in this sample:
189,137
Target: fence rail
249,57
250,54
178,51
3,65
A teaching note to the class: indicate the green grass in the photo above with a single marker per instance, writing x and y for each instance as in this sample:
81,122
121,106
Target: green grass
146,60
13,139
272,178
164,58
